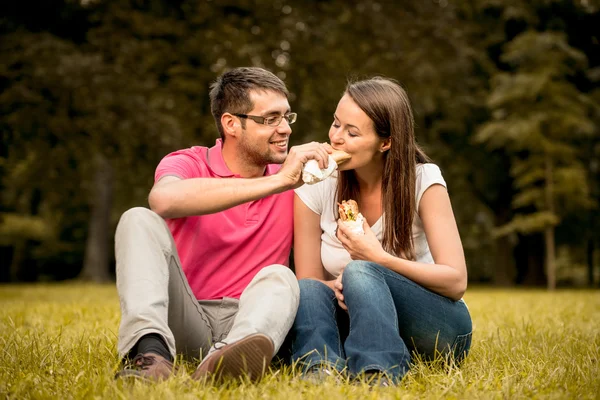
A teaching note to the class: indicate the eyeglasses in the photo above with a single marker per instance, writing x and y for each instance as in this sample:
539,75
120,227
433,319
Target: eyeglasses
270,121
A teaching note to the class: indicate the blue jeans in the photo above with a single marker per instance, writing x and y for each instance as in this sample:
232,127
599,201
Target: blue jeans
389,316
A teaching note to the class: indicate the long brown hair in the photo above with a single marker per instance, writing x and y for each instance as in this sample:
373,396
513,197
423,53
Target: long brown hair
388,106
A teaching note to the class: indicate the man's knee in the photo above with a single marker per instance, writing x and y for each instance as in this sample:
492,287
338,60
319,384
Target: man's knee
137,214
138,218
280,273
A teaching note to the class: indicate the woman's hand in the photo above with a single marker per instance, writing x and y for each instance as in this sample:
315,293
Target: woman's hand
361,247
337,289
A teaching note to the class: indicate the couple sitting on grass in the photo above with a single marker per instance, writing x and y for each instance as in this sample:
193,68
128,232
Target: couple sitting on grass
204,273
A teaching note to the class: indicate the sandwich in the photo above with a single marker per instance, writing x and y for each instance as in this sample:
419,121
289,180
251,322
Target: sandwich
311,173
340,156
350,216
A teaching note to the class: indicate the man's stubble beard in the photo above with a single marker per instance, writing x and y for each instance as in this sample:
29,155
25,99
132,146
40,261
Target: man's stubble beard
252,154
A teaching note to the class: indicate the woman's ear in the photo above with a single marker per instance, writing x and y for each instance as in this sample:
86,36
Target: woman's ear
230,124
385,145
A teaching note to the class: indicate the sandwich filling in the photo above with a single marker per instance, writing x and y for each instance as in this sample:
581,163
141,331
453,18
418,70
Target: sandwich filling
348,210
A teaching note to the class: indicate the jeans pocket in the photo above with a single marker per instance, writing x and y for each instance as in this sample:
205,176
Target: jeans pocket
461,346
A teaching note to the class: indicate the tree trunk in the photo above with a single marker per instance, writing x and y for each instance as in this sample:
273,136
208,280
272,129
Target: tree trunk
529,257
550,258
16,264
504,265
590,262
96,263
549,231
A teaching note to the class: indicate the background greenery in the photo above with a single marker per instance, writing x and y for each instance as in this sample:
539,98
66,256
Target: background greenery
94,93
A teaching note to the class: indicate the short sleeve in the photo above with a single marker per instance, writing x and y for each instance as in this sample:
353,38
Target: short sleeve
184,164
427,175
311,195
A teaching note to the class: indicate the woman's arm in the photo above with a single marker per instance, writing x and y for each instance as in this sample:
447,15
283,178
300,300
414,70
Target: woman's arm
448,276
307,244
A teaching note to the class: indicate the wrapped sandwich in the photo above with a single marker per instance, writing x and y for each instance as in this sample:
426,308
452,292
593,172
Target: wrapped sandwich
351,217
311,173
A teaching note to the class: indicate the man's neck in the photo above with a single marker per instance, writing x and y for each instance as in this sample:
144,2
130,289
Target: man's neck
239,165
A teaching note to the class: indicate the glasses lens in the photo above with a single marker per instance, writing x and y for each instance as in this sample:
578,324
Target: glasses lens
273,121
291,118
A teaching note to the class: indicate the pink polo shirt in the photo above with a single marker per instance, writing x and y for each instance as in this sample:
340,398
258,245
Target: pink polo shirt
220,253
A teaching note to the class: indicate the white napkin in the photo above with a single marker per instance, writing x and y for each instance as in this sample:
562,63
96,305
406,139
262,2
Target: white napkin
356,226
311,173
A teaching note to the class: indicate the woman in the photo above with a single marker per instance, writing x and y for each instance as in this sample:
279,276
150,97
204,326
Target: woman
368,300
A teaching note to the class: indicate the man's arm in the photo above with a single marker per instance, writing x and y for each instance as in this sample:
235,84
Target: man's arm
173,197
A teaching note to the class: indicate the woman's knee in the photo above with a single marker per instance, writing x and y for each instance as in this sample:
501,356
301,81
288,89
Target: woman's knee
361,280
313,287
359,271
314,293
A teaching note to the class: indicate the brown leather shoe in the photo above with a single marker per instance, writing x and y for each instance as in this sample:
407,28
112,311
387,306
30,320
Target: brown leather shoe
249,357
147,366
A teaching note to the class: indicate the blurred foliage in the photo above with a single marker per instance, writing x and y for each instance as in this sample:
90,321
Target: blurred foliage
538,116
496,87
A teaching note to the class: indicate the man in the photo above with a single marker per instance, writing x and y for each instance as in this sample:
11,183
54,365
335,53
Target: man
213,279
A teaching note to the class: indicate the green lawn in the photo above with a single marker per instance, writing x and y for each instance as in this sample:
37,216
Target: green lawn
59,341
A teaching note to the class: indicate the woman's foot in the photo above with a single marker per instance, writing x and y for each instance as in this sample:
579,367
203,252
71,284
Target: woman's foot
376,379
318,374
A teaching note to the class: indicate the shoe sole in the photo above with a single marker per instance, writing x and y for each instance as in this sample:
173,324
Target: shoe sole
249,357
138,375
134,375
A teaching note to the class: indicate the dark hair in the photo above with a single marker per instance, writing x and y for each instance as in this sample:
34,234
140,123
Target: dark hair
387,105
231,91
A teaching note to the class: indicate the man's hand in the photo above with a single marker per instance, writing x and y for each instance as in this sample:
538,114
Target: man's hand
337,289
291,170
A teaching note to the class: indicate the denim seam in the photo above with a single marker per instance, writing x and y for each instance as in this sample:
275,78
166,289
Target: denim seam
379,274
382,275
372,367
406,281
339,339
386,272
324,363
460,340
396,323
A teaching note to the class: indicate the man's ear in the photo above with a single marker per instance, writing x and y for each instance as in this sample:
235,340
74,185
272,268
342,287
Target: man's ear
385,145
231,124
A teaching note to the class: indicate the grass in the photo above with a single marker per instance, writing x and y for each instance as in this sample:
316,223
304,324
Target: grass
59,341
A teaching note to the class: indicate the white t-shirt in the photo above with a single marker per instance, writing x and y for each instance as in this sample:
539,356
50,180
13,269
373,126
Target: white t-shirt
320,198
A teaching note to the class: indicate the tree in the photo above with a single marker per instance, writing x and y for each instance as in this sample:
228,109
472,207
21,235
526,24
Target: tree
538,115
79,113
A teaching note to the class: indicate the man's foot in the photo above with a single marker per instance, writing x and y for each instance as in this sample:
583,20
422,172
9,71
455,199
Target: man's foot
249,357
147,366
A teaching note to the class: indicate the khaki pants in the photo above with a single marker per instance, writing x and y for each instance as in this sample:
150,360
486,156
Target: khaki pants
155,296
